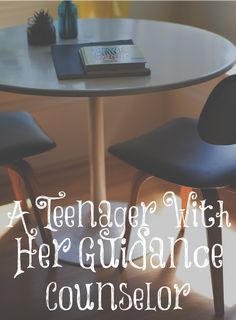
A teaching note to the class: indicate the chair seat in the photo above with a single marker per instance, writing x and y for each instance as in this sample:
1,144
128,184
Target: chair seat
175,152
20,137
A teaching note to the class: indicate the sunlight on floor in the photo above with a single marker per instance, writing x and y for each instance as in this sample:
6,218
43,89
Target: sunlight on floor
200,279
165,227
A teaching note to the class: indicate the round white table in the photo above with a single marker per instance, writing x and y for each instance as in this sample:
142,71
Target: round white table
178,56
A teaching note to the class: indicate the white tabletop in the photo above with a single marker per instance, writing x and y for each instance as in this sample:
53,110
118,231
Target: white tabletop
178,56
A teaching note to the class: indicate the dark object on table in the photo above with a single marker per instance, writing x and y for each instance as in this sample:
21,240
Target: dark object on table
21,137
67,20
41,30
68,63
198,153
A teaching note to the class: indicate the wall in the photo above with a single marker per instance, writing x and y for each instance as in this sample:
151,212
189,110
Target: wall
17,12
216,16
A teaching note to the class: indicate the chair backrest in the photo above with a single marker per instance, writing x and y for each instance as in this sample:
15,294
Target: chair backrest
217,122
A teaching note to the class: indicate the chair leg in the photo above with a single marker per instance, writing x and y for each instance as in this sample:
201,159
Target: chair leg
139,179
184,193
17,186
25,171
214,235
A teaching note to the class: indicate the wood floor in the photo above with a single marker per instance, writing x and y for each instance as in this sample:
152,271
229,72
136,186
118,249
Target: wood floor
24,297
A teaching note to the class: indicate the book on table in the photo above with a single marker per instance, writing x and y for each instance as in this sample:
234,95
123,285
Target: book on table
101,58
119,58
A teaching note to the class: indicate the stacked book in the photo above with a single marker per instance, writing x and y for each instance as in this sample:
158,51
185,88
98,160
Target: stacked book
98,59
113,60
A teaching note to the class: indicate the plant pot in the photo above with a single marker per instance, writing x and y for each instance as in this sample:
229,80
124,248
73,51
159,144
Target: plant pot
41,34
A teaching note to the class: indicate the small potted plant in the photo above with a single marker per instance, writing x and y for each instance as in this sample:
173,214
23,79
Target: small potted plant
41,30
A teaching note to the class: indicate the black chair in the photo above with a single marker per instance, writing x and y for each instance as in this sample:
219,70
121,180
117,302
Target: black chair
194,153
20,137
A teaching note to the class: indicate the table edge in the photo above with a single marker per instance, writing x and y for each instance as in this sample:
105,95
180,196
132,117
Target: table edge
117,92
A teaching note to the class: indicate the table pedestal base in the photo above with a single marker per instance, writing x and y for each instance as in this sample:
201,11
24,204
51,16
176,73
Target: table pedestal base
102,252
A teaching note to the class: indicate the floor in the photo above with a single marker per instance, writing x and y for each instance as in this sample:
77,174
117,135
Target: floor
25,296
